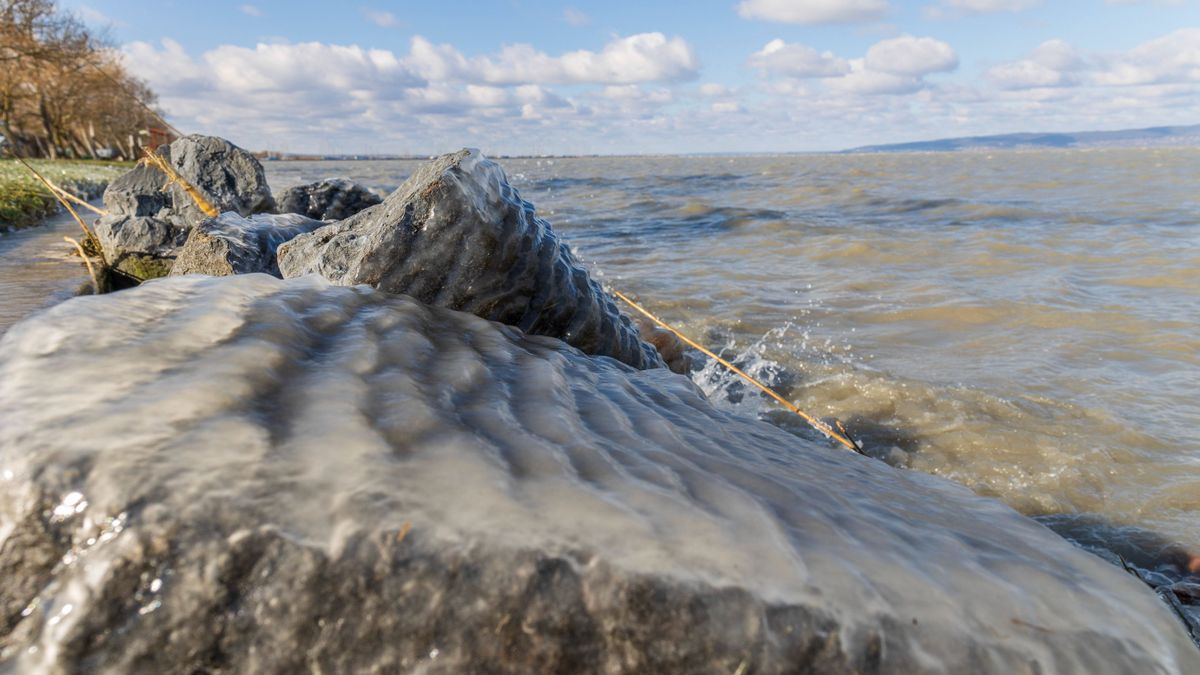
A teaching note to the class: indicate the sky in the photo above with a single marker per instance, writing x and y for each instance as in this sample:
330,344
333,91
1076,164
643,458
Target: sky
639,76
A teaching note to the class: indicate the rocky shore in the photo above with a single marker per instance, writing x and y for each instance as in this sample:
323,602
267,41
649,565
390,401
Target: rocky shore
421,438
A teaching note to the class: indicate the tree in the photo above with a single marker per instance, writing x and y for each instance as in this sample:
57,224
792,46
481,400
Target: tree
64,90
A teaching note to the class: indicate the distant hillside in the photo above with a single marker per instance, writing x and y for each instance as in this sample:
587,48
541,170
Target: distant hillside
1188,135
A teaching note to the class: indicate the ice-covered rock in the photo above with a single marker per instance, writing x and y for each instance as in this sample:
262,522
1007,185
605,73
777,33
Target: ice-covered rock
457,235
231,244
329,199
150,218
246,474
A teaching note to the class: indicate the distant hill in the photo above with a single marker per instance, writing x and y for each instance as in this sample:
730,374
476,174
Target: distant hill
1187,135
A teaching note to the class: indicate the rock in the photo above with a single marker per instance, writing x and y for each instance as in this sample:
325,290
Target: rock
246,474
230,178
330,199
230,244
141,247
150,219
673,351
457,235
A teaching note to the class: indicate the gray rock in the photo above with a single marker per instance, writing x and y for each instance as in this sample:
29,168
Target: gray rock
245,474
330,199
230,178
150,219
457,235
676,354
141,247
230,244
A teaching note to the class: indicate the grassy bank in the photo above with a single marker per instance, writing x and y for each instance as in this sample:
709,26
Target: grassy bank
24,201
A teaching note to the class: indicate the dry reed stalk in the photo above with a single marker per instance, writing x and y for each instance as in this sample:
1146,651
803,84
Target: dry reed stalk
174,177
87,261
843,438
94,209
87,231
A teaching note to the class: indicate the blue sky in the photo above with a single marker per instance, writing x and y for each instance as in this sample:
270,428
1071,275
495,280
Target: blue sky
517,76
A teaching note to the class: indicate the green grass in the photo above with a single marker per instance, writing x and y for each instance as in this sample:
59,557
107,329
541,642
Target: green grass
24,201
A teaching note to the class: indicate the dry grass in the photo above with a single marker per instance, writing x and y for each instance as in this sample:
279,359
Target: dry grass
61,195
87,261
25,201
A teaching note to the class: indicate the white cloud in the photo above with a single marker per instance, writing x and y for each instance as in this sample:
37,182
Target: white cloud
646,57
632,93
1054,63
1174,57
895,66
862,79
96,17
250,10
1171,59
908,55
811,12
305,66
381,18
958,7
639,94
430,92
574,17
796,60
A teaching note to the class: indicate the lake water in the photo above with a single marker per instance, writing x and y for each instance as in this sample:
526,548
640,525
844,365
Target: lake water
1024,323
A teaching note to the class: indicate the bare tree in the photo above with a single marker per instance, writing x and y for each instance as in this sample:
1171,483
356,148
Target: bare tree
63,90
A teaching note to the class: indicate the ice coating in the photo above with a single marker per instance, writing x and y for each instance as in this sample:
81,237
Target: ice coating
226,479
232,244
457,234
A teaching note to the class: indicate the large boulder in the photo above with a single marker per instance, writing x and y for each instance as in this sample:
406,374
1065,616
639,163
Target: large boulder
141,247
457,235
230,244
245,474
149,216
329,199
230,178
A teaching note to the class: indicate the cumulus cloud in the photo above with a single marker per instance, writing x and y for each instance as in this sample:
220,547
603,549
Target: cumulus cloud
278,90
1174,57
797,60
95,16
864,80
912,56
1054,63
959,7
640,93
305,66
726,107
646,57
381,18
250,10
810,12
1171,59
894,66
574,17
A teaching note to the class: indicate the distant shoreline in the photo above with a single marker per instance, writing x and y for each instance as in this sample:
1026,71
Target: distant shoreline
865,150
